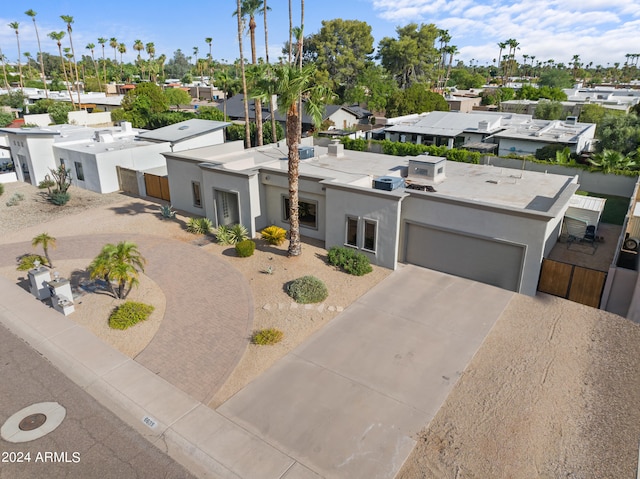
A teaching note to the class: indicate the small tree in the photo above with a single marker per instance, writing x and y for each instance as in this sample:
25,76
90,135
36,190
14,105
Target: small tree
45,241
177,97
62,183
120,264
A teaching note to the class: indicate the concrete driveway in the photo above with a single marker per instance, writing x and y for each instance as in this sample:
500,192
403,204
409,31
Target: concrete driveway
349,402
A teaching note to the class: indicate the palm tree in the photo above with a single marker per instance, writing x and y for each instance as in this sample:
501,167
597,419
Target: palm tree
209,42
58,36
290,84
249,9
290,32
274,132
609,161
69,20
45,240
4,70
32,14
161,60
15,26
113,43
119,263
502,46
247,130
102,41
451,50
223,81
91,46
122,49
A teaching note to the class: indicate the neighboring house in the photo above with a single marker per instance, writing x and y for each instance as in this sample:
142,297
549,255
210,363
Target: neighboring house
488,224
188,134
462,104
451,129
621,99
342,117
513,133
526,138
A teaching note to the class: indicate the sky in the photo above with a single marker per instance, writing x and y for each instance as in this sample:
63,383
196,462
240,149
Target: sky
600,31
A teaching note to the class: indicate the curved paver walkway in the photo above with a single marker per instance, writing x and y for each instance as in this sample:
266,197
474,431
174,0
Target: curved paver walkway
209,310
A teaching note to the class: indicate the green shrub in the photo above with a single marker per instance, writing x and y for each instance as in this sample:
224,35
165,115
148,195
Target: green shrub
15,199
230,235
19,196
26,262
129,314
308,289
349,260
59,198
267,336
245,248
1,189
199,226
274,235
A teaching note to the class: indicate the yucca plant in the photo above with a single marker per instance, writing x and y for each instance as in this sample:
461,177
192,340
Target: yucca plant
274,235
199,226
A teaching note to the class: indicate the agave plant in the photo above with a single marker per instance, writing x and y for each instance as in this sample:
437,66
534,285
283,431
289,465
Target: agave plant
230,235
199,226
167,211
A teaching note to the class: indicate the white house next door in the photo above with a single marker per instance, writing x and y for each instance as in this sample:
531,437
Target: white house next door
227,208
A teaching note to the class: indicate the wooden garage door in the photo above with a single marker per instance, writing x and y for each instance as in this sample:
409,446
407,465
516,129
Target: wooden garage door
480,259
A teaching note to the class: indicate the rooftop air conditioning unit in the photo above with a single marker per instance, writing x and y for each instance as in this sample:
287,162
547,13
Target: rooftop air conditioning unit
306,152
388,183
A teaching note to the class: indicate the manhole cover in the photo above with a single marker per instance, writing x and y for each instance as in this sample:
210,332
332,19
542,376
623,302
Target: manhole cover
34,421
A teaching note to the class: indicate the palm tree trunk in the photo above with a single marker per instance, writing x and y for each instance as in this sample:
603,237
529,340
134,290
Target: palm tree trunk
76,69
300,50
274,133
290,32
295,246
257,103
44,78
66,77
247,129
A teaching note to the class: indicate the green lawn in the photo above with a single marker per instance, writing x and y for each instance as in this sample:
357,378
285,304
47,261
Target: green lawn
615,209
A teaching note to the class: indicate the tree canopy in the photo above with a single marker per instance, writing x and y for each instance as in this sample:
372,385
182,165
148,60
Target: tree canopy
415,99
177,97
342,48
556,78
620,133
412,57
549,110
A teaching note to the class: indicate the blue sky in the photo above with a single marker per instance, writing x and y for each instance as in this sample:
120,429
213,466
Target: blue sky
600,31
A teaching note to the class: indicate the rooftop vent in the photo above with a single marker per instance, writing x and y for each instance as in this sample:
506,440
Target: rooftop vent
571,120
424,167
388,183
336,149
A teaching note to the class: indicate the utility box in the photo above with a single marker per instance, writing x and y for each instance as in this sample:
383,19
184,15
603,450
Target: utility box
61,295
39,278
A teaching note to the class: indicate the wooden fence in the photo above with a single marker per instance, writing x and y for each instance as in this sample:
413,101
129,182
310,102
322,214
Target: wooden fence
157,186
576,283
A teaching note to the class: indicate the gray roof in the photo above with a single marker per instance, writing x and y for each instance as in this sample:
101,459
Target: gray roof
183,131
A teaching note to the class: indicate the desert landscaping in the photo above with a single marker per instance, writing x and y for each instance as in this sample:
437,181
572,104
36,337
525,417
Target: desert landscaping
552,392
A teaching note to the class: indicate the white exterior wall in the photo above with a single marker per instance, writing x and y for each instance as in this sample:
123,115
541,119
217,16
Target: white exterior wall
244,184
5,153
100,172
343,119
368,204
213,138
484,222
181,173
276,187
40,158
41,119
83,117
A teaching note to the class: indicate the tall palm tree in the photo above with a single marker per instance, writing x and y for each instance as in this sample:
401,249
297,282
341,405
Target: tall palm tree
290,84
32,14
290,33
223,81
451,50
251,8
119,263
113,43
301,49
161,60
44,240
102,41
69,20
247,129
91,46
58,36
274,132
4,69
209,42
502,46
15,26
122,49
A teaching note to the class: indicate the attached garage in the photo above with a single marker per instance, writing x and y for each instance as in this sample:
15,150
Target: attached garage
486,260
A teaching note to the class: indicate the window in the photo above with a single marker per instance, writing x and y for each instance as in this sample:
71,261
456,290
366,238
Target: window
370,229
197,198
79,172
227,207
307,212
352,231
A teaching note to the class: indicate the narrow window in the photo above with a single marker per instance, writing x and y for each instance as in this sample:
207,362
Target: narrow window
352,231
79,172
370,230
197,198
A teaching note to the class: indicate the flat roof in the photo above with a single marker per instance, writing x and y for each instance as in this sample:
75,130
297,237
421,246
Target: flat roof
526,190
184,130
95,147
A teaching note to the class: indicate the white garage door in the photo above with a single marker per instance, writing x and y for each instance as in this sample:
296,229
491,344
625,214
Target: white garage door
485,260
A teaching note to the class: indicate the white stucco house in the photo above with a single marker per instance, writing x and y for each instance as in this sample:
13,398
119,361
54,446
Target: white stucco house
187,134
485,223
